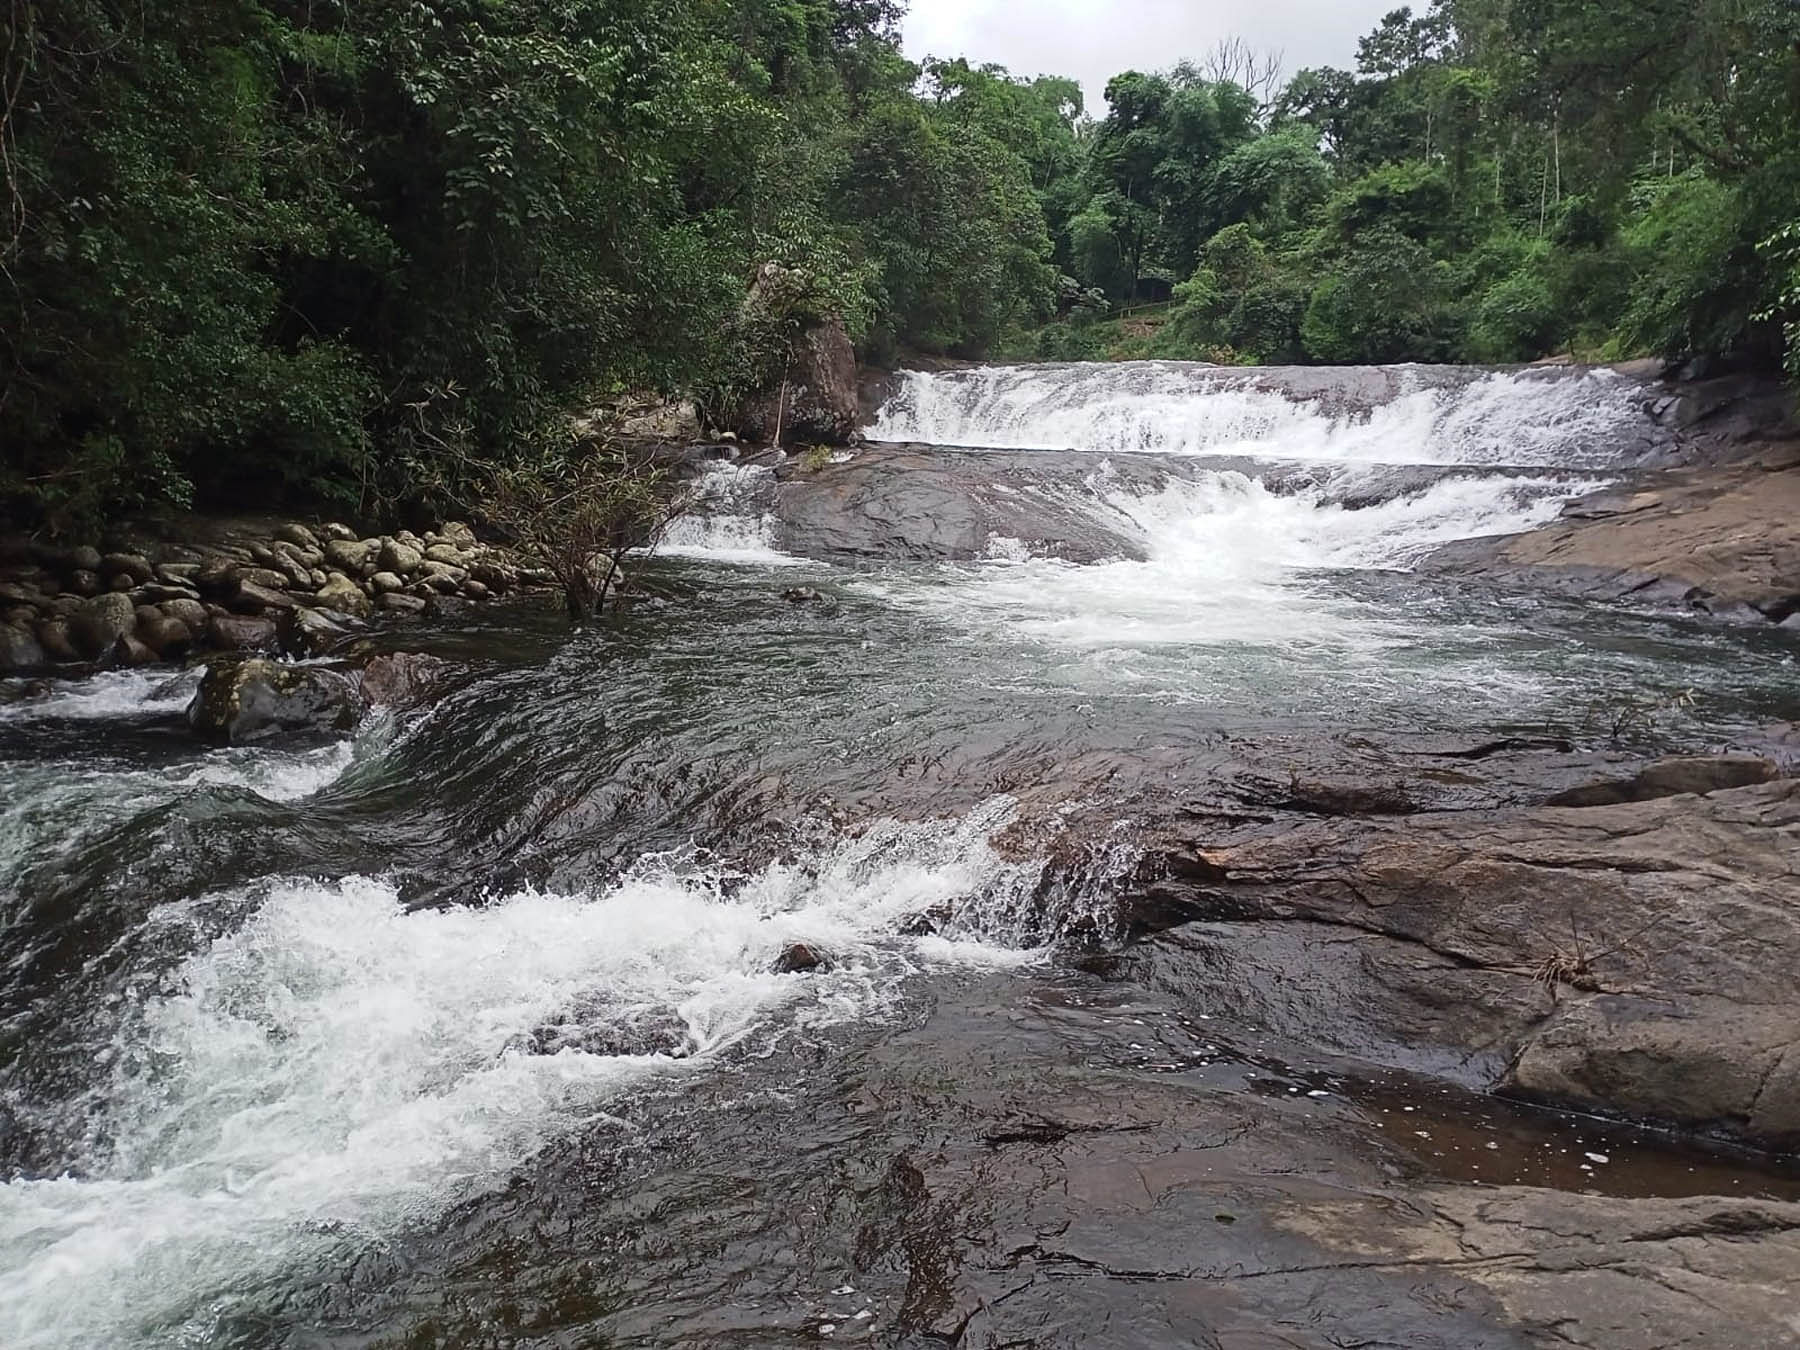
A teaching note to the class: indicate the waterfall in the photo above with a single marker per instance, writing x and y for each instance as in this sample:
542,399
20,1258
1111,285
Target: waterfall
1553,418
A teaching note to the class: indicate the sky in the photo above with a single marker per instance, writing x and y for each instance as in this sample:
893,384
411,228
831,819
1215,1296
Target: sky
1093,40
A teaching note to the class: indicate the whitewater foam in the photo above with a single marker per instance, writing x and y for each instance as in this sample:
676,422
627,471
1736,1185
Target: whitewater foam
729,520
112,694
1575,420
339,1068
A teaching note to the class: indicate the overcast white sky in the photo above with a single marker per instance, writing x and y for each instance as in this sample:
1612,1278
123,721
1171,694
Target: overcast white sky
1093,40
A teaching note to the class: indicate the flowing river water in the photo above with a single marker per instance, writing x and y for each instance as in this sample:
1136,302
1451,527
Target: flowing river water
466,1029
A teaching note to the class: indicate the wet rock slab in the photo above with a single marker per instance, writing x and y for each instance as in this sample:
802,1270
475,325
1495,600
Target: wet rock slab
1634,957
1063,1163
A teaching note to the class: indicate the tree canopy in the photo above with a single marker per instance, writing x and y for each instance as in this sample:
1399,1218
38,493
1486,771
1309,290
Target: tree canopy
362,253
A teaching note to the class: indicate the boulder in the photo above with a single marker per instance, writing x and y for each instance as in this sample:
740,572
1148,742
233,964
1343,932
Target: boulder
157,592
15,593
165,636
296,534
255,598
53,636
402,679
343,595
132,565
396,602
457,534
241,633
310,632
1634,957
253,699
335,532
346,555
129,651
190,612
1697,774
217,578
799,959
20,650
82,558
496,576
84,582
815,401
102,621
446,553
382,583
399,556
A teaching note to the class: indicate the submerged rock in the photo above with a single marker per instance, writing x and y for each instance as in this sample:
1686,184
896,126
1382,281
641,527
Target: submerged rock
402,679
800,959
254,699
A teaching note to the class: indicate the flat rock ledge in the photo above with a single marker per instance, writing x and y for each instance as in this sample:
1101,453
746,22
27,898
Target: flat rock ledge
1723,541
1635,957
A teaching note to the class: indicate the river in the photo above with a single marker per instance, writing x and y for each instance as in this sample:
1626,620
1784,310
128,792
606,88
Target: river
465,1029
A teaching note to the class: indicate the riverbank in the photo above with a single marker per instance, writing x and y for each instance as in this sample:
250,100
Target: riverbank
192,585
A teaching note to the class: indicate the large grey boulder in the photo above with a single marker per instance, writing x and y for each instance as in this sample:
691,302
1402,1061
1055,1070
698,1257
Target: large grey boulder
19,650
254,699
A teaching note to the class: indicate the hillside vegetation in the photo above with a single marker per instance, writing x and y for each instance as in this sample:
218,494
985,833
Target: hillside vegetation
359,254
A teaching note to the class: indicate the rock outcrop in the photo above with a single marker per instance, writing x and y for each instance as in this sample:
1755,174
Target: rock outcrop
813,399
240,702
1635,957
1719,540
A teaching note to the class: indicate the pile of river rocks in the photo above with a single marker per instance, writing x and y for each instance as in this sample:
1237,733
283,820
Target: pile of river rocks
292,590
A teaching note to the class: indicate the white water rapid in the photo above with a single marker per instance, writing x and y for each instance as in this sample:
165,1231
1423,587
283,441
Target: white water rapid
332,1068
1383,415
1317,473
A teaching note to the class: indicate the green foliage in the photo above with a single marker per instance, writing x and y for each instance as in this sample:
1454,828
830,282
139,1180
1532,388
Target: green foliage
1496,180
372,253
1383,301
365,253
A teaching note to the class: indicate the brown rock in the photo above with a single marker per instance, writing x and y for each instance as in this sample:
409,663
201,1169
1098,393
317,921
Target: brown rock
53,636
1673,777
1658,938
165,636
242,633
403,679
816,401
242,701
20,650
132,565
343,595
347,555
396,602
190,612
254,598
102,621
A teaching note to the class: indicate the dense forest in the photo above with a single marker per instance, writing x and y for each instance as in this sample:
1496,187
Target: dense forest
351,253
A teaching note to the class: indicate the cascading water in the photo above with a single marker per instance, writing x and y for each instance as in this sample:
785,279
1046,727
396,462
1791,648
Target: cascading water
270,1015
1386,415
1232,555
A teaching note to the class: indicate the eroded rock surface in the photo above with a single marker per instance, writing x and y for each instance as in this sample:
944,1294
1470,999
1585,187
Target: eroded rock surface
1634,957
1722,540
